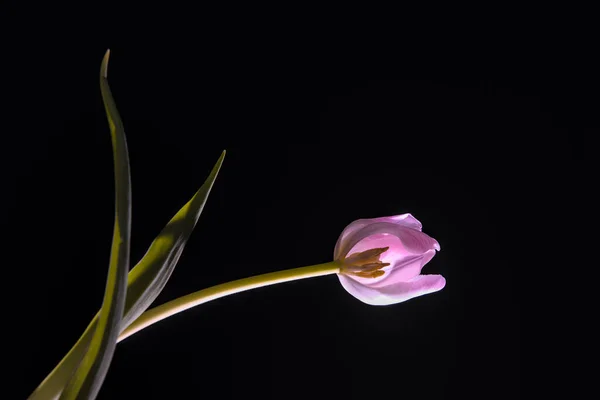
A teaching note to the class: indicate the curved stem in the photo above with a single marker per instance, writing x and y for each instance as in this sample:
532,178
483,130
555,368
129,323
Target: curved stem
203,296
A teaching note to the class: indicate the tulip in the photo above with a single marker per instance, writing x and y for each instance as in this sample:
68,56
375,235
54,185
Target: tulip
382,259
378,261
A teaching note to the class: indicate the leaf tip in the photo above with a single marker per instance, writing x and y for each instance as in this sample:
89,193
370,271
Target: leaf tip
104,67
220,161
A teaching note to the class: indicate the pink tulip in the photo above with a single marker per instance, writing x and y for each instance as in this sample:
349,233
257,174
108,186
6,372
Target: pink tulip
382,260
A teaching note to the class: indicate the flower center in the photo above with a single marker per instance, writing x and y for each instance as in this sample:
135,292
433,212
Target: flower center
365,264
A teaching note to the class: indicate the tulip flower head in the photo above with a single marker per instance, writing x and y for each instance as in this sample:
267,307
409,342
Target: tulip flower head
382,258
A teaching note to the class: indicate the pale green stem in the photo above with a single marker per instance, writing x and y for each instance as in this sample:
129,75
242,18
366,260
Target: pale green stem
225,289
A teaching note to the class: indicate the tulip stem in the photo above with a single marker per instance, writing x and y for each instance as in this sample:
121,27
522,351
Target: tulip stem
203,296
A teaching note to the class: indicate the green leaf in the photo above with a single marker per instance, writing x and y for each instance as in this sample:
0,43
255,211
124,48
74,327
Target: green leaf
89,375
145,282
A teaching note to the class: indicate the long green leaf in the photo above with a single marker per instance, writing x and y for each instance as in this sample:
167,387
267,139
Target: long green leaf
90,374
145,282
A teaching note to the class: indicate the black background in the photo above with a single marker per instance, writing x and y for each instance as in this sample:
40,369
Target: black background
317,135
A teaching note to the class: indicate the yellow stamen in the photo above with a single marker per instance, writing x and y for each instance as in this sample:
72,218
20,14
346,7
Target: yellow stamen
365,264
373,274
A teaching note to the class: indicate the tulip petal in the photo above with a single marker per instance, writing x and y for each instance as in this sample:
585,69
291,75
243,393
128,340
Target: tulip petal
418,286
395,293
405,271
414,241
357,289
406,220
